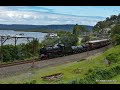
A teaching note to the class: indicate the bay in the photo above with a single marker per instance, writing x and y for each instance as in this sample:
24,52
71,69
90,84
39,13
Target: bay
40,36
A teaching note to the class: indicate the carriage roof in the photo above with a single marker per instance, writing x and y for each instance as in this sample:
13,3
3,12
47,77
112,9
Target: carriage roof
96,41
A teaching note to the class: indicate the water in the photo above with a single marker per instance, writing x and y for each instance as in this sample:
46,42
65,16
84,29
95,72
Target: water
38,35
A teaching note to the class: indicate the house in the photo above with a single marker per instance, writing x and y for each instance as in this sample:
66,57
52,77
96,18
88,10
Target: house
52,35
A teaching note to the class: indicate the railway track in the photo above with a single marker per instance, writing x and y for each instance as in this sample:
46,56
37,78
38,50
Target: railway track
18,62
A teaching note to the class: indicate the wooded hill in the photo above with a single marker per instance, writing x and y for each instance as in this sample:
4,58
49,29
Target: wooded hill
106,25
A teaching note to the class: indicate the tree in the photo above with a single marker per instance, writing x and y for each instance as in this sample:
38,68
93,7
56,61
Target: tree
115,34
35,45
116,29
85,39
76,29
65,37
116,38
69,39
50,41
83,29
113,17
107,19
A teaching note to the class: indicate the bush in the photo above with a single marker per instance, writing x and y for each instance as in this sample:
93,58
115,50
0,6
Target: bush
113,57
98,74
19,52
85,39
66,38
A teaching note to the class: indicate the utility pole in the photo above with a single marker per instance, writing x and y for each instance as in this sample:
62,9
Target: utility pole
33,52
1,49
15,47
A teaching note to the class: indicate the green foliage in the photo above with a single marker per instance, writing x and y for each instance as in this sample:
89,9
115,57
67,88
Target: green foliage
99,25
113,57
50,41
111,26
97,74
83,28
107,23
116,29
115,34
116,39
62,33
73,81
31,82
34,44
85,39
19,52
66,38
76,29
69,39
102,73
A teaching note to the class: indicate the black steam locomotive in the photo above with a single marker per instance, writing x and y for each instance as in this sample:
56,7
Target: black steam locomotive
60,50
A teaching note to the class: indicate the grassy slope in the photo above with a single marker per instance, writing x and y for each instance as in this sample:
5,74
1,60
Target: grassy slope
67,69
114,80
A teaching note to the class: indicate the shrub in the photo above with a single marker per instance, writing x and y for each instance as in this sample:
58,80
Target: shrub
98,74
19,52
113,57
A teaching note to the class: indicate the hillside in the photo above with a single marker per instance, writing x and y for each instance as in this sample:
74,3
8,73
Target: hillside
67,27
106,25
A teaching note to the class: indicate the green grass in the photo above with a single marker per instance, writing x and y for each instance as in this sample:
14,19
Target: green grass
67,70
117,79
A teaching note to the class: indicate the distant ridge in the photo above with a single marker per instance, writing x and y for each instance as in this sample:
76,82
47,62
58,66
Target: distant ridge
66,27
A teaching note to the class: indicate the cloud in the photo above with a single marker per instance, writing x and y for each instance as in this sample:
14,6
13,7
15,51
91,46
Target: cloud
11,15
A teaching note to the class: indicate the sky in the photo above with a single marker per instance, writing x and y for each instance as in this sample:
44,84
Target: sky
48,15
